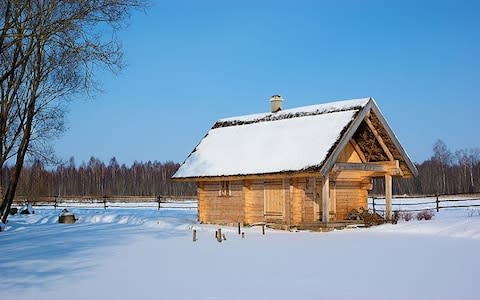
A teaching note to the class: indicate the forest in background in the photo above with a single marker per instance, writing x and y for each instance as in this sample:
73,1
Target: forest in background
95,178
446,172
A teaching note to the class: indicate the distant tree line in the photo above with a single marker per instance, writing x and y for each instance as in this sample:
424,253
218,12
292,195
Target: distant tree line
446,172
94,178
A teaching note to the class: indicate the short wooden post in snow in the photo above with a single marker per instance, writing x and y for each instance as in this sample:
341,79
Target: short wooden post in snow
239,228
194,235
263,229
438,203
219,235
243,235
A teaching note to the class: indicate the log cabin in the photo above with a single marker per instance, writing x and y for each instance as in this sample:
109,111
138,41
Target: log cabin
307,165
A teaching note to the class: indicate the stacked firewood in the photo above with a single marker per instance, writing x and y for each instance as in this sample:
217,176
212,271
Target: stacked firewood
364,215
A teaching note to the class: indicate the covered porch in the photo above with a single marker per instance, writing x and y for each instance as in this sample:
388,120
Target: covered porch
362,174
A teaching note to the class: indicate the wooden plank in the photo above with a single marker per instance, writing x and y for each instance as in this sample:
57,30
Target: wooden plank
285,200
359,151
333,199
290,204
296,202
274,201
363,170
379,139
247,199
358,167
316,202
325,198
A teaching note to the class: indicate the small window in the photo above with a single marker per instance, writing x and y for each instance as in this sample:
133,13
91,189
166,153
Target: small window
224,189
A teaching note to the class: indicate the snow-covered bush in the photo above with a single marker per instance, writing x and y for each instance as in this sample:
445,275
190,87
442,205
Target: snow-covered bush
407,216
473,212
425,215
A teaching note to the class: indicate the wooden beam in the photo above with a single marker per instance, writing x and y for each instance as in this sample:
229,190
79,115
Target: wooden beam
388,197
359,151
325,198
316,204
391,167
333,200
379,139
359,171
367,184
358,167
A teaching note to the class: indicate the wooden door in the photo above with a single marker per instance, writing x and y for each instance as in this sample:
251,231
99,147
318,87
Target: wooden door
274,199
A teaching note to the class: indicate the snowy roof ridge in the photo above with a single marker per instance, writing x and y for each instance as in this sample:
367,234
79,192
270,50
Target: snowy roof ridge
310,110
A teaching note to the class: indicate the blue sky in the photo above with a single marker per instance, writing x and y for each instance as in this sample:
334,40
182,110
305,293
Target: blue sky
190,63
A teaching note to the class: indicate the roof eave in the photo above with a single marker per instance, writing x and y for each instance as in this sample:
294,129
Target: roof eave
282,174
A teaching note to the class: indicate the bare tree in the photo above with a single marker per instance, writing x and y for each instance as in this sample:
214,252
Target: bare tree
443,156
49,50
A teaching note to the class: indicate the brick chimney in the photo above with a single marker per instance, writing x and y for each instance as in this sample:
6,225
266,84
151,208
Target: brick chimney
276,102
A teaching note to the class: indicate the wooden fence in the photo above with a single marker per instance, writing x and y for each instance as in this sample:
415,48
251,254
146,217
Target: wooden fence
171,202
420,203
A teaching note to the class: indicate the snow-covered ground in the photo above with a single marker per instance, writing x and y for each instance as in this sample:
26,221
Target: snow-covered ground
145,253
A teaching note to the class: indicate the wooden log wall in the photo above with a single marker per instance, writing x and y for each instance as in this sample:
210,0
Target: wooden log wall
254,202
216,208
296,201
302,201
349,195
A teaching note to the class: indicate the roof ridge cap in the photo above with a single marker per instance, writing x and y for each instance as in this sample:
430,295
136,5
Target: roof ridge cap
290,113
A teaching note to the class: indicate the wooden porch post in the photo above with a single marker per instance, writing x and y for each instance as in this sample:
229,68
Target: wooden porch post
325,198
388,197
333,199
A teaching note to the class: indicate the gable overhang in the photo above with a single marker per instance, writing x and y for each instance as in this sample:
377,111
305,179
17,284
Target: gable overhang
348,135
344,140
411,166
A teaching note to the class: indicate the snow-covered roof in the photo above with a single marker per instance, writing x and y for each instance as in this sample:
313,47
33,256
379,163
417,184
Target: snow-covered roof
289,140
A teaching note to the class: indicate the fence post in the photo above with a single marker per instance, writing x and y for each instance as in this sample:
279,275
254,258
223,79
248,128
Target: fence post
104,203
194,235
438,204
373,203
159,199
55,204
239,228
263,229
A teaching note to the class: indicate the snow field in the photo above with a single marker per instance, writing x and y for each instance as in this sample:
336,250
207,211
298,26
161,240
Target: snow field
126,253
